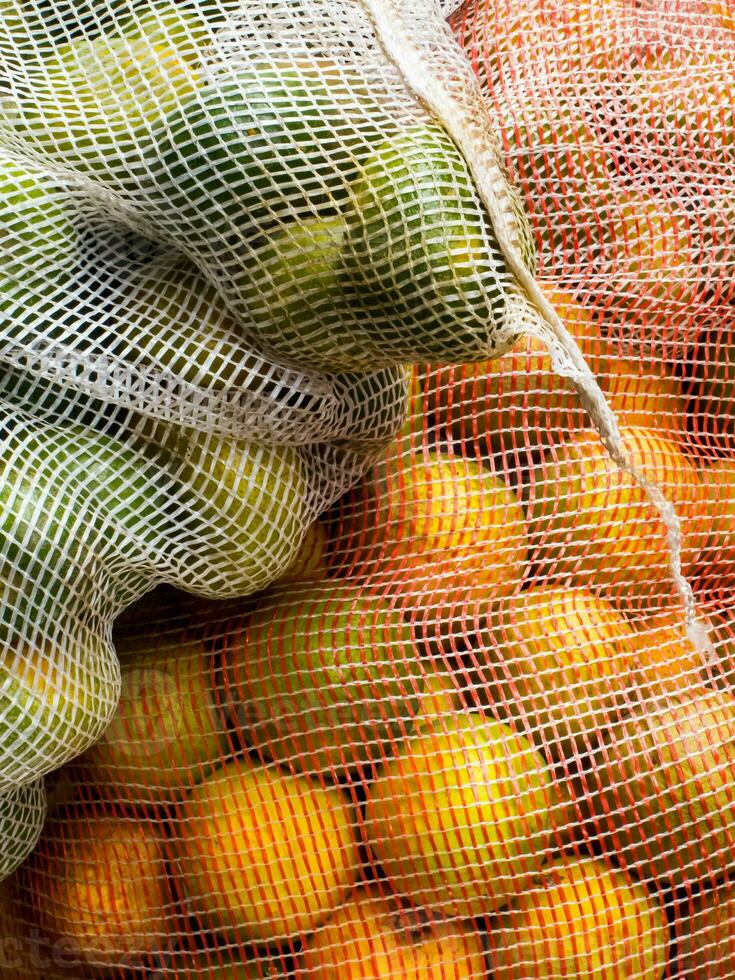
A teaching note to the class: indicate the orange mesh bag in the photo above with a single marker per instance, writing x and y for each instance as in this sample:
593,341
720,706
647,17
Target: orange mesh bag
368,503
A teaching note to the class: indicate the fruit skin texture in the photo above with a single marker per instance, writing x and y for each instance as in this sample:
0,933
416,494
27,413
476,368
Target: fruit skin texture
310,562
263,855
437,526
244,507
290,297
425,262
326,676
229,964
91,103
459,819
585,921
236,159
370,938
39,239
55,702
707,935
591,522
557,662
716,525
99,884
661,788
167,731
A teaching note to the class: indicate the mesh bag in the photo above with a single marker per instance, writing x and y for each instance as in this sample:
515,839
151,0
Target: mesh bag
366,379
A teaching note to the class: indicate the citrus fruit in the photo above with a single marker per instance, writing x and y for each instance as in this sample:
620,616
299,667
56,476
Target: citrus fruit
511,42
167,732
459,819
582,920
290,297
661,787
57,699
557,662
665,658
310,562
563,166
644,276
593,523
426,263
714,525
517,402
167,319
267,140
263,855
98,884
707,935
38,234
22,813
370,938
440,700
241,508
91,103
326,676
678,103
222,964
441,528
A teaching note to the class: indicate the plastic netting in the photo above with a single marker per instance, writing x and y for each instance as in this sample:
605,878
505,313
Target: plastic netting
344,632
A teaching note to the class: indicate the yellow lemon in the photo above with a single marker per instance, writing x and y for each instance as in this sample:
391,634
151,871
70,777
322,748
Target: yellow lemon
707,936
167,732
665,658
661,787
99,885
516,403
441,528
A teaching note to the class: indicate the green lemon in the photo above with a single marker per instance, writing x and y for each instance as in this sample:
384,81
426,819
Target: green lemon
22,813
38,237
420,253
241,511
56,698
260,145
327,677
168,320
288,294
92,103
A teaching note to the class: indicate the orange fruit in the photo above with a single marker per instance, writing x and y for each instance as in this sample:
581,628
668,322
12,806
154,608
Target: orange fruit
98,884
371,938
592,523
263,855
